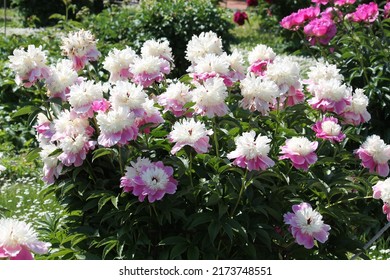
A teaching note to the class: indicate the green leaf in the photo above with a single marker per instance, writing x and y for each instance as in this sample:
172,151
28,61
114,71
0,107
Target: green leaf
213,230
178,249
172,240
193,253
25,111
33,154
101,152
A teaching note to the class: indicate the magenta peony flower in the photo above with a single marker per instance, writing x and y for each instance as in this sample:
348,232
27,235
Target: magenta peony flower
132,171
18,240
386,10
240,17
252,153
191,133
364,13
300,151
329,129
320,30
382,191
320,2
297,19
154,181
252,3
306,225
375,154
344,2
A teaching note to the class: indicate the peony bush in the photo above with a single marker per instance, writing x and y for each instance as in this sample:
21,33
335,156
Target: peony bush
207,166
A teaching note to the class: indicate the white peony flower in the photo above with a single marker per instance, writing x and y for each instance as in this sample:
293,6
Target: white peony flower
205,43
159,49
260,53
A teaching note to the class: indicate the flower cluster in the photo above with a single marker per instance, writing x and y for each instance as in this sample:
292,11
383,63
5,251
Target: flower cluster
320,26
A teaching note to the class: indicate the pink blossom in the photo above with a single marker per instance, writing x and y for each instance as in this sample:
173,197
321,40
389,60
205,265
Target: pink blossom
252,153
149,70
329,129
375,155
101,105
75,150
240,17
190,133
365,13
132,171
320,2
294,96
320,30
153,181
259,68
300,151
386,10
151,116
18,240
174,98
382,191
305,224
344,2
297,19
356,113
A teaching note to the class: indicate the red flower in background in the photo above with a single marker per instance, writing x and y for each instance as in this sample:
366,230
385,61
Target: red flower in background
240,17
252,3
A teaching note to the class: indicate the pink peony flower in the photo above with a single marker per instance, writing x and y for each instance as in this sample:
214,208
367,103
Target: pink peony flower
305,224
250,153
297,19
382,191
252,3
386,10
80,47
259,58
375,154
51,166
293,96
151,116
153,180
75,150
329,129
29,66
240,17
132,171
18,240
320,30
148,70
344,2
117,126
357,113
101,105
330,96
62,77
320,2
118,62
174,98
364,13
300,151
191,133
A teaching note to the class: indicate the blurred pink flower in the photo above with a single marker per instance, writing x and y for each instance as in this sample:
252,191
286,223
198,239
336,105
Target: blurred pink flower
18,240
240,17
320,30
344,2
386,10
297,19
300,151
251,153
329,129
306,225
364,13
320,2
375,155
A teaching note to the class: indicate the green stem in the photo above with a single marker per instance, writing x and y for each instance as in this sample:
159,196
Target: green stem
215,128
120,160
243,187
348,200
190,159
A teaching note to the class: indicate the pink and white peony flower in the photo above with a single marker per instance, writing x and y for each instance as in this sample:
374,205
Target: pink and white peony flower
306,224
75,149
300,151
382,191
19,240
174,98
329,129
236,66
158,48
29,66
330,96
44,128
375,155
129,96
69,124
132,171
148,70
80,47
151,116
190,133
117,126
322,71
62,77
205,43
259,93
211,66
82,97
210,98
51,166
357,113
285,73
259,58
154,181
118,64
251,153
